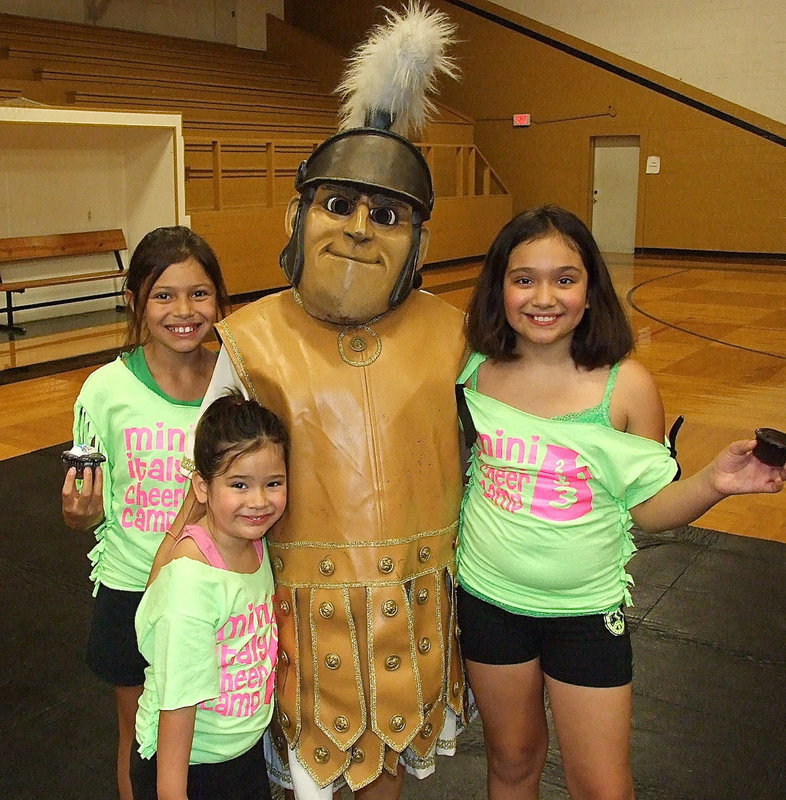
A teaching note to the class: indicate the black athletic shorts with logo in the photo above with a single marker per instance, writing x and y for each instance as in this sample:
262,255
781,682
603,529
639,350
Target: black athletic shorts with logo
592,650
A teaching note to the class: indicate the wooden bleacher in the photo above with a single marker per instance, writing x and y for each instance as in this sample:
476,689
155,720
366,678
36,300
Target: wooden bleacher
248,120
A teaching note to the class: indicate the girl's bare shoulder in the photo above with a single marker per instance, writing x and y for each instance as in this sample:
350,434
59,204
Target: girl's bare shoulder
186,547
636,405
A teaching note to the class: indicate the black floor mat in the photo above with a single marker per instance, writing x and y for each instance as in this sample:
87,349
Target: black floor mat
709,642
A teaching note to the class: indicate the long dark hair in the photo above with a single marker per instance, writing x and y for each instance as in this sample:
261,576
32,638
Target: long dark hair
603,337
156,251
232,427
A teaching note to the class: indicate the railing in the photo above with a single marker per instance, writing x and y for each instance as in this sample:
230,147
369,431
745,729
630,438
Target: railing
239,173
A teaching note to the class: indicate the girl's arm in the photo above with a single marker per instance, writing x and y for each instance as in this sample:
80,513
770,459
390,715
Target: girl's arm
733,471
175,735
637,403
85,509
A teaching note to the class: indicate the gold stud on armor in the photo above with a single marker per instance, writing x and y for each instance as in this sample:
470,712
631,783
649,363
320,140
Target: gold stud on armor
327,567
321,755
422,596
332,661
278,564
358,755
392,663
427,730
424,645
283,607
341,724
284,720
427,709
390,608
358,344
385,565
326,610
424,554
397,723
455,689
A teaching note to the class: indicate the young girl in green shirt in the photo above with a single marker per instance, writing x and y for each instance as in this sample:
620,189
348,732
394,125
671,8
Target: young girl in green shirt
138,411
568,452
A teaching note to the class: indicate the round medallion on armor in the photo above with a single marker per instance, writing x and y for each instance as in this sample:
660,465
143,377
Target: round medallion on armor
283,607
455,689
332,661
385,565
424,554
341,724
278,564
427,708
327,567
358,344
326,610
321,755
424,645
358,755
397,723
392,663
390,608
422,596
427,730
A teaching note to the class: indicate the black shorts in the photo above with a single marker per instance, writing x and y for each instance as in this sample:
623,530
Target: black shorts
112,654
241,778
592,650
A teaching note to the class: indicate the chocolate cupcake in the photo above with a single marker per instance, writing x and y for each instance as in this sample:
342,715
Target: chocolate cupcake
770,447
81,456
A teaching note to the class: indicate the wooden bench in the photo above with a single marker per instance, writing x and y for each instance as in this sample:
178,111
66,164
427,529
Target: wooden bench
33,248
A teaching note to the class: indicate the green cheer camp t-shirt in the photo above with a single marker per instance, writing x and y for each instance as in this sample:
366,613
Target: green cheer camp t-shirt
142,432
211,640
545,521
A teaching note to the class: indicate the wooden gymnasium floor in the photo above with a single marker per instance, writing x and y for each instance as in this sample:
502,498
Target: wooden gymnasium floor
713,334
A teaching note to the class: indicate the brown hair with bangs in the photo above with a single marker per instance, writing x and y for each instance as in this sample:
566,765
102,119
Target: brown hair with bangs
156,251
602,338
232,427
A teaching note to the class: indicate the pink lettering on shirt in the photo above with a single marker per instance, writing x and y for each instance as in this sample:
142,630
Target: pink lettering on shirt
150,507
246,649
560,491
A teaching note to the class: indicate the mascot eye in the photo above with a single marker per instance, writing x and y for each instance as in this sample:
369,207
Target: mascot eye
383,215
338,205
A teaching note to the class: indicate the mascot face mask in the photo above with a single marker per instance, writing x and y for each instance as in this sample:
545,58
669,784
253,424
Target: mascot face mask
356,248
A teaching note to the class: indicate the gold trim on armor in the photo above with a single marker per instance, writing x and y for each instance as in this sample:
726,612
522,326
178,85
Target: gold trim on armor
366,542
367,565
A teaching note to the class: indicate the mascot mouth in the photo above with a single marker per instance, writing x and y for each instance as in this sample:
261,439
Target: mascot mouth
368,261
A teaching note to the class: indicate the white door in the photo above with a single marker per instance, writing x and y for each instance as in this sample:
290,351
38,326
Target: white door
614,189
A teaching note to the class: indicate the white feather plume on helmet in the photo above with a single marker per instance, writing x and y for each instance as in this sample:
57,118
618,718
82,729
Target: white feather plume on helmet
396,68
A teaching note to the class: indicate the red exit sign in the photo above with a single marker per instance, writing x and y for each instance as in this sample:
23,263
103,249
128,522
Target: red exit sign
521,120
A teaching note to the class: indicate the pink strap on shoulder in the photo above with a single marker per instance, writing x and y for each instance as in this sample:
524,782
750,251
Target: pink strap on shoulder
206,545
260,548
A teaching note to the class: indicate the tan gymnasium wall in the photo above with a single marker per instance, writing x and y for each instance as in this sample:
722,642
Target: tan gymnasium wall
720,187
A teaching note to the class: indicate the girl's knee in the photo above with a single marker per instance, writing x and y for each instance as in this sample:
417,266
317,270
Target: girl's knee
605,787
515,766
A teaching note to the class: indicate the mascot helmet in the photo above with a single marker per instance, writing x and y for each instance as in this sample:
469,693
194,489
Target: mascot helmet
385,93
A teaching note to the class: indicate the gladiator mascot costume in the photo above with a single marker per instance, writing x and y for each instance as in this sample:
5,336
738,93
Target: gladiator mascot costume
361,368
